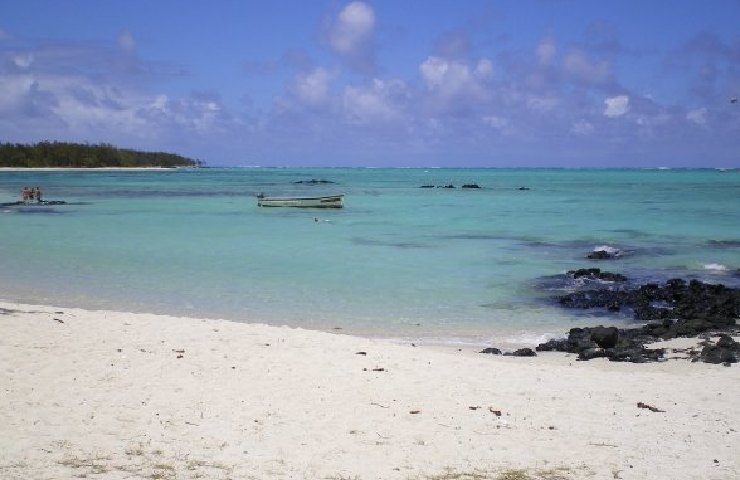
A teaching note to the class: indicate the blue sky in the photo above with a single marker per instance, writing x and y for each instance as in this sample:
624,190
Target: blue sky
380,83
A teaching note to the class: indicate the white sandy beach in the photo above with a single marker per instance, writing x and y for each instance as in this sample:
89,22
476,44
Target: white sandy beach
98,394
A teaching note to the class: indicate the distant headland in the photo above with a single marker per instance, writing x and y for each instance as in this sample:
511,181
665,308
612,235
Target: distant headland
78,155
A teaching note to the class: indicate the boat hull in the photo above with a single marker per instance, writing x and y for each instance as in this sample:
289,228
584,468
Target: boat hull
332,201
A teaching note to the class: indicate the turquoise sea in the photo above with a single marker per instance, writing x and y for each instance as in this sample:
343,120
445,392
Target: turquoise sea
430,264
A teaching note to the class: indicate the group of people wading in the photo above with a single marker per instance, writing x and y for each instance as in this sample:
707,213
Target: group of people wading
29,194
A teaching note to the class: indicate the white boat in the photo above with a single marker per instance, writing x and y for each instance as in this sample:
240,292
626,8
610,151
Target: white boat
330,201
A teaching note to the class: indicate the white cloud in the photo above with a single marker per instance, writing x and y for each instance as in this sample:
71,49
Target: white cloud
23,60
126,42
452,78
578,67
381,102
15,88
351,34
617,106
159,103
698,116
582,127
77,107
312,88
546,50
484,69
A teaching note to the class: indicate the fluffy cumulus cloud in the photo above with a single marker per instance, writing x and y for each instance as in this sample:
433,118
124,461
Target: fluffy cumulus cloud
617,106
351,35
454,84
312,88
47,96
23,60
380,103
467,98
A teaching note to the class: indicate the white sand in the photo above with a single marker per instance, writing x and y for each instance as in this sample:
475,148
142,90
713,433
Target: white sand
104,395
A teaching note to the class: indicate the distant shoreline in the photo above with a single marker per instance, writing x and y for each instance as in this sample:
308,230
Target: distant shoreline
90,169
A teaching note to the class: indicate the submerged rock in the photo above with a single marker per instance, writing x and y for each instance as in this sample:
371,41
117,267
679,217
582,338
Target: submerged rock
313,181
597,274
604,252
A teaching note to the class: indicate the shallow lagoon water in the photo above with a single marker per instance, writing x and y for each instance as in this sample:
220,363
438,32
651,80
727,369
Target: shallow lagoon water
436,264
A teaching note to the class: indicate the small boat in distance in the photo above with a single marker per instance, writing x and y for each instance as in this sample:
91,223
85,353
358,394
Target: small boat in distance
329,201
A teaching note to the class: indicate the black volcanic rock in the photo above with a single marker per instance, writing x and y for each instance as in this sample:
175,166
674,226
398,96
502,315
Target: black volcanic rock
605,337
675,309
314,181
725,351
491,350
597,274
522,352
600,255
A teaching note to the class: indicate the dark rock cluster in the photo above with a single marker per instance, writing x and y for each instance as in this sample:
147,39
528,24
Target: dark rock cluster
618,345
597,274
601,255
314,181
675,309
522,352
725,351
696,306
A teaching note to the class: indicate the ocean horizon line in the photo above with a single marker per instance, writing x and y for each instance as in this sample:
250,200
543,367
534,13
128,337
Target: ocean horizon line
367,167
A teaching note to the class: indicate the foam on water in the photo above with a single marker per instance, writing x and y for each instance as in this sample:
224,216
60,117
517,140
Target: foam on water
715,267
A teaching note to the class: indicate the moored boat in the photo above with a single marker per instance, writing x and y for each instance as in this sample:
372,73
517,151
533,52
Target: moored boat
329,201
